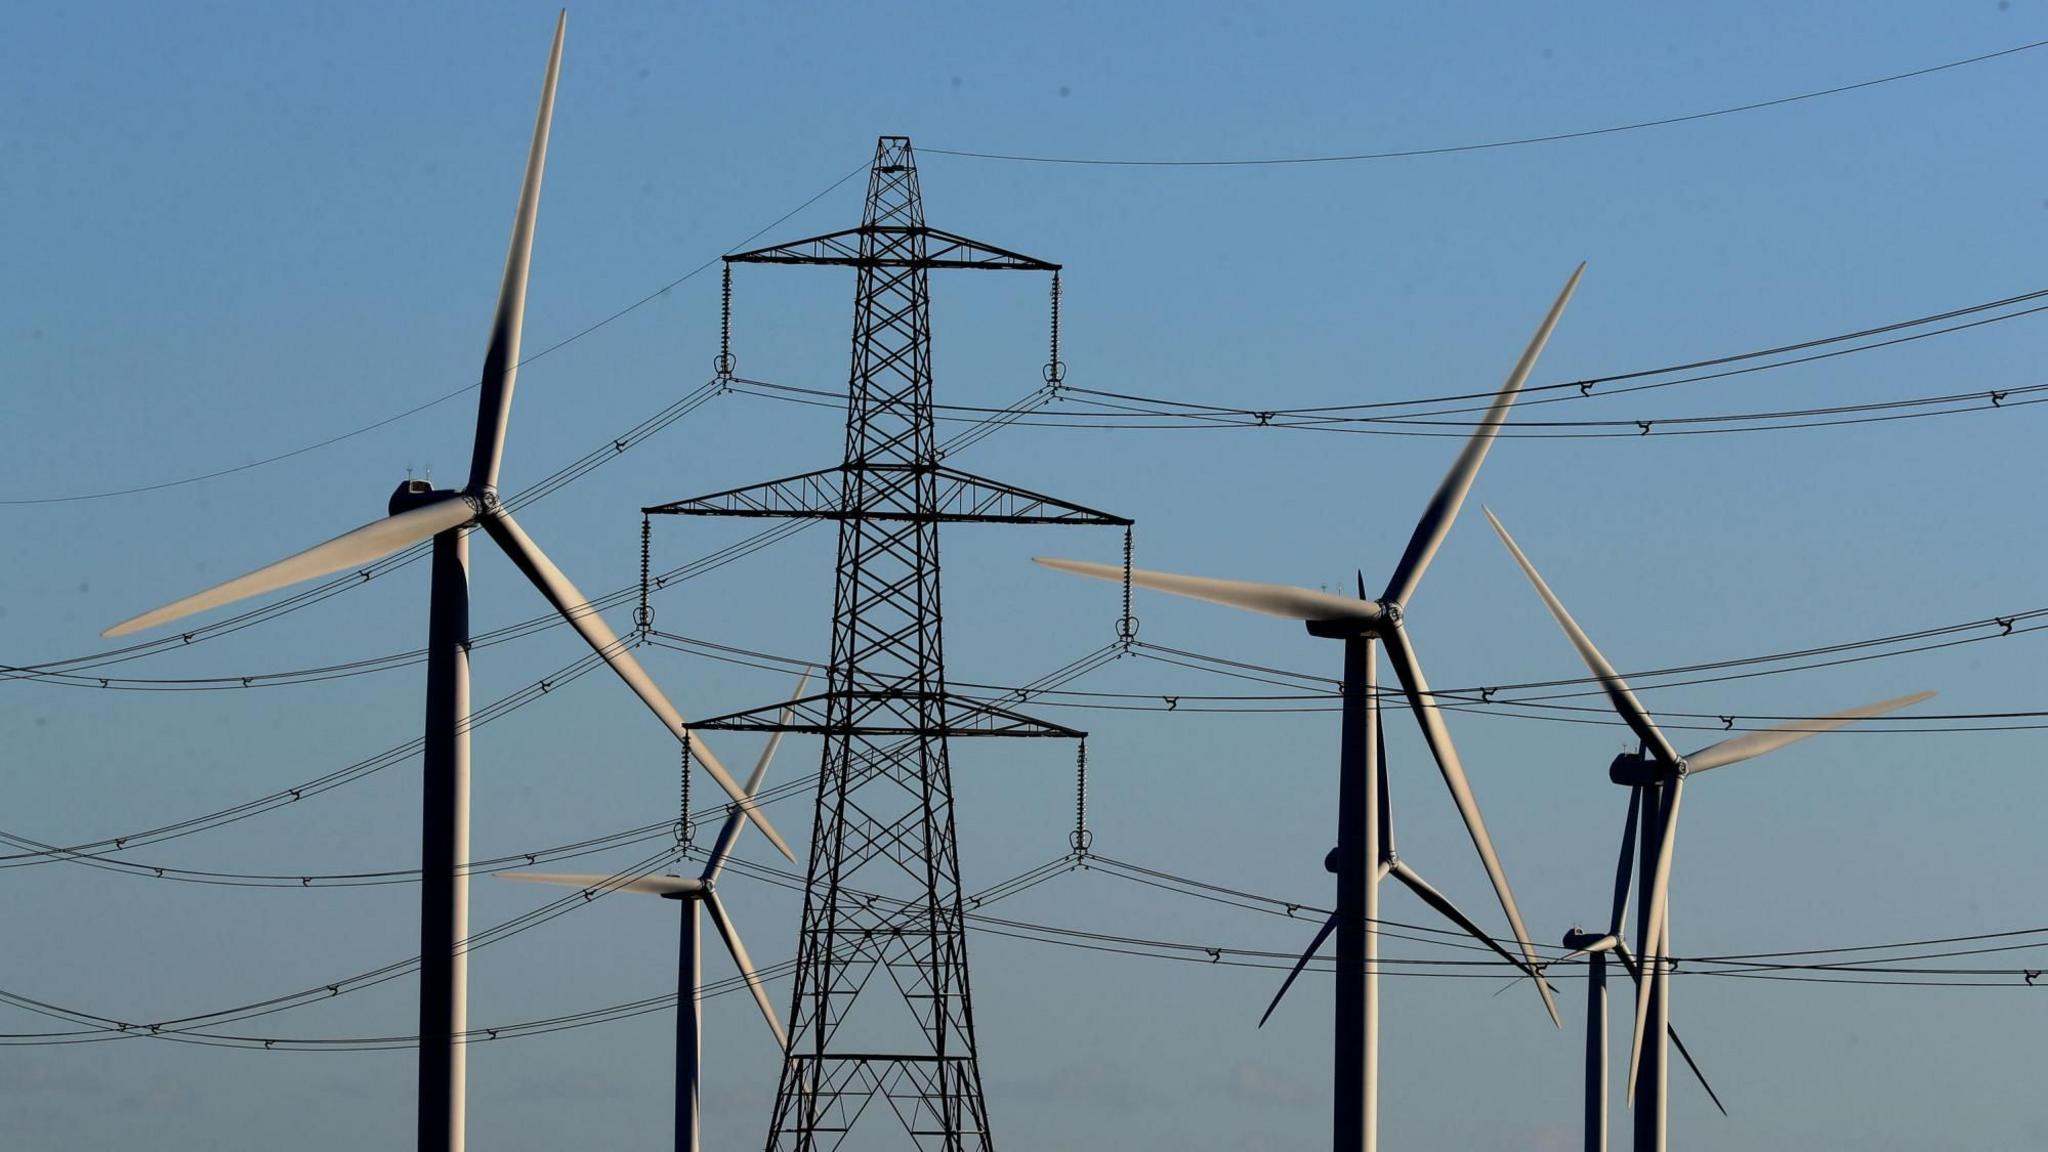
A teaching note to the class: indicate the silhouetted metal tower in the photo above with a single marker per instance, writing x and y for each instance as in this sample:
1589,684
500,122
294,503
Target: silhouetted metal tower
883,888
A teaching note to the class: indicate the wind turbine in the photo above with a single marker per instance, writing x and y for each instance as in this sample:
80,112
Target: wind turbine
1655,776
418,513
1596,949
697,894
1364,854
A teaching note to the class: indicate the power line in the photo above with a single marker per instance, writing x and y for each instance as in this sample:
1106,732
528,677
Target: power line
1126,410
990,420
1747,966
65,670
617,597
184,1025
42,854
1583,387
446,396
1874,412
100,853
547,486
1480,699
1515,142
187,1028
1759,961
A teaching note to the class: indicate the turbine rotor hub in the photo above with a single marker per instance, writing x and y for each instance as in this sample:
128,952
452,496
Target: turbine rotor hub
695,888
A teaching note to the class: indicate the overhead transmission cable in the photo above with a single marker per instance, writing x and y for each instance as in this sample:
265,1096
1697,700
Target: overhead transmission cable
986,421
1583,388
68,669
1489,145
1979,400
1885,969
325,589
446,396
39,854
1316,690
99,853
193,1028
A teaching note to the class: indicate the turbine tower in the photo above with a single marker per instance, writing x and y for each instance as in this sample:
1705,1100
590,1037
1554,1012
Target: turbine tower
1655,777
418,513
1365,845
883,821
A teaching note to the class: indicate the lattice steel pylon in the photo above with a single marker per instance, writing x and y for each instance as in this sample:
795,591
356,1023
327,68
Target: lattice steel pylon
883,888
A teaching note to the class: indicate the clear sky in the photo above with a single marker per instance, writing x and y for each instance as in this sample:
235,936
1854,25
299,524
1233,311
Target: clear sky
235,229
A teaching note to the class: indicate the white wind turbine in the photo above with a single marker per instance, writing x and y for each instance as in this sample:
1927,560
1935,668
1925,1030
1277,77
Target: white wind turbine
1595,949
1655,776
696,893
1364,854
416,514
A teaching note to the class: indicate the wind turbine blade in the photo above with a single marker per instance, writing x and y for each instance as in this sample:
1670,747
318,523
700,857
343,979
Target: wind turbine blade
1442,903
653,885
1629,963
1656,899
1386,797
501,357
1439,738
1442,509
1314,946
1625,867
746,966
573,607
1281,600
1749,745
1694,1065
1624,700
729,833
373,541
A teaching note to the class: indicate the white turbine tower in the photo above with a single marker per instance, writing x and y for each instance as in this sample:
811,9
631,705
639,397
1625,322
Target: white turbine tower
1364,853
416,514
1655,776
697,894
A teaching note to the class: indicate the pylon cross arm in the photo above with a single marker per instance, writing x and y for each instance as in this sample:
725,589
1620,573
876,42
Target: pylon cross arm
942,250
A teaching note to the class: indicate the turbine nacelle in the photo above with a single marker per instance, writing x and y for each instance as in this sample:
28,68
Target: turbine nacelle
413,493
1579,941
1375,618
1640,769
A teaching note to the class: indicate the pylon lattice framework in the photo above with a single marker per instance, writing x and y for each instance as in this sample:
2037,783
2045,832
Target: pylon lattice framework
883,822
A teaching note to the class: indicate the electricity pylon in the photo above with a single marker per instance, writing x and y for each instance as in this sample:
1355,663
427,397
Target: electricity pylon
882,894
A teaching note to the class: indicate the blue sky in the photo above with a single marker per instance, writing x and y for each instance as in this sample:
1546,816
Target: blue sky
238,229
